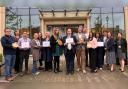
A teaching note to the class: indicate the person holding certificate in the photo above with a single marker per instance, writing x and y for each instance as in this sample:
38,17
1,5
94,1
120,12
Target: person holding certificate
47,53
35,46
56,44
92,45
105,39
100,51
80,50
69,51
24,46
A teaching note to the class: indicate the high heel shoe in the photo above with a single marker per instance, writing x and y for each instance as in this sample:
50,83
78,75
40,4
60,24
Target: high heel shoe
112,70
122,70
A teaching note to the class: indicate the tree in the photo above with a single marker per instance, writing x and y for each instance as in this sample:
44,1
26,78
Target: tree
98,25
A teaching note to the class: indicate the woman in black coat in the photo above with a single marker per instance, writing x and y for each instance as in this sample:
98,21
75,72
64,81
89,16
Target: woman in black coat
56,44
121,47
17,62
110,51
69,50
41,52
100,52
47,53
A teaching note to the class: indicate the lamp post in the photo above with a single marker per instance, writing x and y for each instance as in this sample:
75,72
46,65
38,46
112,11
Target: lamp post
30,22
20,20
107,19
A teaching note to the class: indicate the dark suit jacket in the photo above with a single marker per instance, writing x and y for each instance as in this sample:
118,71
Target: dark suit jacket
73,50
111,45
123,45
53,45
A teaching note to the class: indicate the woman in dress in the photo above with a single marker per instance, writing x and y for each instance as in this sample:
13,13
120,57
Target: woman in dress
110,48
56,44
121,47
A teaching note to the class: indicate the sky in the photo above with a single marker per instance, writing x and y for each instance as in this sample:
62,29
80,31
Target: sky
64,3
69,4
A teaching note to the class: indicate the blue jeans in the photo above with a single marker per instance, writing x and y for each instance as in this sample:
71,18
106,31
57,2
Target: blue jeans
9,64
34,68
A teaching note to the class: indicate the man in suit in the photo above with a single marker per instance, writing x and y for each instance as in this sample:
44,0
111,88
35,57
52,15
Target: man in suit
80,49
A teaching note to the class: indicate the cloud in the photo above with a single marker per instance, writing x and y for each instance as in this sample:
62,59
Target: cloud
64,3
68,4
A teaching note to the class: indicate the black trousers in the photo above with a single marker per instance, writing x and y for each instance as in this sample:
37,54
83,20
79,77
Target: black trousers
17,62
56,63
48,65
70,61
41,59
40,62
86,56
100,57
24,56
93,58
90,55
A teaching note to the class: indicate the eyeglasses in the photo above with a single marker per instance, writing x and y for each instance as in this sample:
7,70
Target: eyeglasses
8,31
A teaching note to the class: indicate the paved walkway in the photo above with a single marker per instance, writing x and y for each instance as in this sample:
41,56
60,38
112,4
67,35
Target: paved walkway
49,80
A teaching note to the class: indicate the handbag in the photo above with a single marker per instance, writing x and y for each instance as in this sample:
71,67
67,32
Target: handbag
59,42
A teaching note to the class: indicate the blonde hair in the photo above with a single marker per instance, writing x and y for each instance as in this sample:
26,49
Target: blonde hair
54,29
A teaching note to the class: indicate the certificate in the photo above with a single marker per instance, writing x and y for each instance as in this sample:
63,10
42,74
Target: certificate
15,45
89,45
100,44
69,40
25,45
46,44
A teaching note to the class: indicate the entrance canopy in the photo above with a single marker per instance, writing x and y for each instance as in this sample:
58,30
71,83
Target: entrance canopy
63,18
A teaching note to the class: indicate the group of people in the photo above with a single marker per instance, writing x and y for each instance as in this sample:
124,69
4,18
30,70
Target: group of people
90,49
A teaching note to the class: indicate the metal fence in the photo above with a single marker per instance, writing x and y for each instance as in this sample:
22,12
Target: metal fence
111,19
101,18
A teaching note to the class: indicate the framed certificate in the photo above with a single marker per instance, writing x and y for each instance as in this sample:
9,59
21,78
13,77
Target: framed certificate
25,45
46,43
69,40
100,44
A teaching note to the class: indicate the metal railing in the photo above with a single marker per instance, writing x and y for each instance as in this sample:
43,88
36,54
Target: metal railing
28,17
